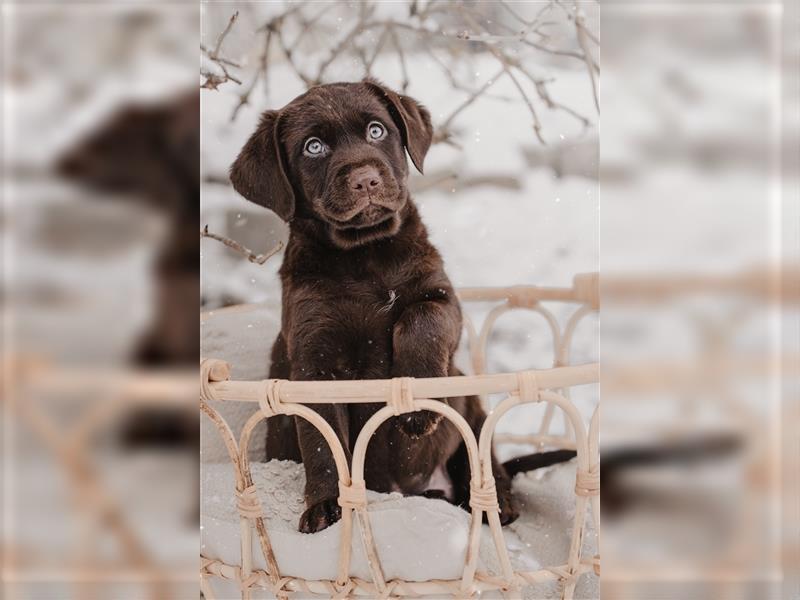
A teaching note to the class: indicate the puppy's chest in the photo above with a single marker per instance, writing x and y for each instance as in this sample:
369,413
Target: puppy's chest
381,295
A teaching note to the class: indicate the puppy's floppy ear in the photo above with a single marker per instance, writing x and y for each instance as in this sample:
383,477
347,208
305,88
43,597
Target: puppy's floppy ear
258,172
411,118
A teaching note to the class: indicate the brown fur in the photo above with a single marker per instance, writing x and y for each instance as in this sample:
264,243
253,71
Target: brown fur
356,243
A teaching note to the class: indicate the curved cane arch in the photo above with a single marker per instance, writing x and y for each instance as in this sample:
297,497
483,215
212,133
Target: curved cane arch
489,323
563,353
359,459
584,479
342,469
498,311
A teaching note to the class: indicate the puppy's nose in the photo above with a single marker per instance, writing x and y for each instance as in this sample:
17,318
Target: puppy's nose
364,179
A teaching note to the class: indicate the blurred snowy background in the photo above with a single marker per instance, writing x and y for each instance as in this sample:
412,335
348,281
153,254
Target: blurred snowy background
700,216
88,510
701,121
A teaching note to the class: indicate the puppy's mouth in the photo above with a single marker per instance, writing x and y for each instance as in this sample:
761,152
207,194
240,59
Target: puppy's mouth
351,234
369,220
367,217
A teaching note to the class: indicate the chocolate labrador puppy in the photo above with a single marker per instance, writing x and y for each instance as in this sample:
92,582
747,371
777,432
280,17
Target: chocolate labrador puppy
365,294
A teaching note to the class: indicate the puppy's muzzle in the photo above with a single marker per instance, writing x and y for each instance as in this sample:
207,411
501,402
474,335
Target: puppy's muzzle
365,182
366,199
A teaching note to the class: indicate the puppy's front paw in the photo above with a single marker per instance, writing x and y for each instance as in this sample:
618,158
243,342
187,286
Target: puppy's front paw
320,516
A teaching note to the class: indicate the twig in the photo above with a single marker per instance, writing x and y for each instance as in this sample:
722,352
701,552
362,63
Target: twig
423,25
307,25
534,25
378,48
287,51
514,36
263,61
258,259
447,71
402,56
583,40
570,17
537,125
225,32
442,132
544,94
337,50
214,80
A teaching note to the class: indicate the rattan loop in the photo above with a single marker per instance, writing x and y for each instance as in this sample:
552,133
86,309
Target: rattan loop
401,398
281,585
484,497
249,582
270,400
587,482
528,386
562,573
343,591
521,297
247,502
388,590
353,495
211,370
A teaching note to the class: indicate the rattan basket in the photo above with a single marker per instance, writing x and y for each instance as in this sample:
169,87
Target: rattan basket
550,386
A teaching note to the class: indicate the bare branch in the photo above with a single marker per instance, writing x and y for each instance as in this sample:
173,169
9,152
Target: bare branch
309,24
287,51
263,61
447,71
537,125
544,94
518,37
402,56
214,80
443,130
225,32
583,40
378,48
338,49
573,17
426,33
258,259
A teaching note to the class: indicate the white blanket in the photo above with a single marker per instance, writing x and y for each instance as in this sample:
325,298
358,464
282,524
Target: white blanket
417,538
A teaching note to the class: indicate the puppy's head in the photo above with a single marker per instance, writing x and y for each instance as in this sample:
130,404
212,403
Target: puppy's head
337,154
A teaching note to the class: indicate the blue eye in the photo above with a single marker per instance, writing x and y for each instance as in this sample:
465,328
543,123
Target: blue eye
375,130
314,147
